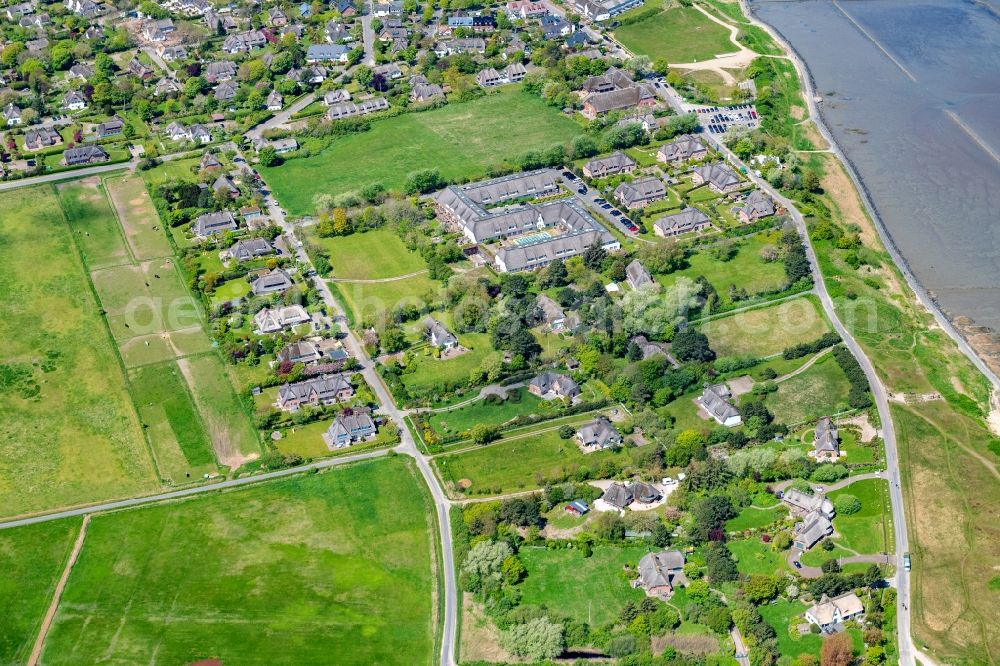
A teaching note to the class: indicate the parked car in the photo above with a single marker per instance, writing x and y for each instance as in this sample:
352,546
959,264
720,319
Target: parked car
615,212
798,565
599,201
569,175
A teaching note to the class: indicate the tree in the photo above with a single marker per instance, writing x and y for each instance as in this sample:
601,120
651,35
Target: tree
521,511
364,75
268,156
760,588
484,563
513,570
690,344
566,432
483,433
847,504
718,620
837,650
423,181
535,640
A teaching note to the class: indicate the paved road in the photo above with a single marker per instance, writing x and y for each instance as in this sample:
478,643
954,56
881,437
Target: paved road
282,117
906,647
830,487
187,492
155,57
407,447
741,647
64,175
907,650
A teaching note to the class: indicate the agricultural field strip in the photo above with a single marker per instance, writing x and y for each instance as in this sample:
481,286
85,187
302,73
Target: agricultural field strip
187,492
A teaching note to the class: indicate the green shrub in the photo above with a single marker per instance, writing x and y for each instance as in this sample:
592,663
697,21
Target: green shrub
847,505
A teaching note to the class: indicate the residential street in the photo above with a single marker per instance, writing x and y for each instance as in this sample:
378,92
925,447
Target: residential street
407,447
64,175
282,117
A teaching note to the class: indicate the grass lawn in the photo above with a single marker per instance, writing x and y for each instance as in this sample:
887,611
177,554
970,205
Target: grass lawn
586,589
752,517
368,301
679,34
518,464
766,331
747,270
459,139
518,402
372,255
753,556
684,413
819,391
307,441
294,571
230,290
179,439
817,556
96,231
865,530
78,438
430,372
782,613
226,421
32,559
780,616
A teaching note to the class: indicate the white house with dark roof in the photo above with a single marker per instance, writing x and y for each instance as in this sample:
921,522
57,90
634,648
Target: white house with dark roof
84,155
716,401
248,249
74,101
347,429
826,443
440,336
599,434
209,224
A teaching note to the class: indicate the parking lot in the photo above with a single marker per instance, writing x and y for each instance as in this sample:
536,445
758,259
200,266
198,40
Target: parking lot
608,213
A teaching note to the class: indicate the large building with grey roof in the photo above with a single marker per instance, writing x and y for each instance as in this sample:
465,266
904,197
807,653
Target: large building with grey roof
533,234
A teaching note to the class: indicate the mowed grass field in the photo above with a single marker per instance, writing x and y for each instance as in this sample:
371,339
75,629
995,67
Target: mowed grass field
766,331
32,559
820,390
865,531
747,270
753,556
226,420
459,139
369,300
518,402
188,407
679,34
586,589
180,442
517,464
372,255
322,568
97,234
78,439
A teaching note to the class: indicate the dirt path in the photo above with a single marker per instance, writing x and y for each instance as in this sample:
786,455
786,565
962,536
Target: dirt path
805,366
50,614
396,278
723,62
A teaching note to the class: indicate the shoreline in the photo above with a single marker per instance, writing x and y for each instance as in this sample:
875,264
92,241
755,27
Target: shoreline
808,88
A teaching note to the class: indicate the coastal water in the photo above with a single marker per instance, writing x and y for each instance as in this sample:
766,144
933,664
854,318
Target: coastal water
911,91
